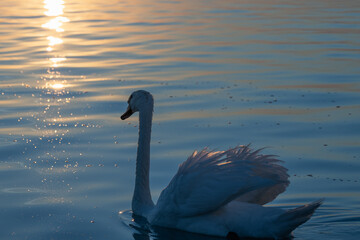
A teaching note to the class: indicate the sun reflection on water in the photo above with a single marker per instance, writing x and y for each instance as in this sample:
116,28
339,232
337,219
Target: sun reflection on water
55,61
54,7
54,40
58,86
56,23
54,84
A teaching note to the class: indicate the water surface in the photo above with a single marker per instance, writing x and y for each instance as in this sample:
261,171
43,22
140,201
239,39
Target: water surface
282,74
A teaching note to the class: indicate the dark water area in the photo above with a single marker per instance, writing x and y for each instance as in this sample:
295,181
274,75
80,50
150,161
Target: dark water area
278,74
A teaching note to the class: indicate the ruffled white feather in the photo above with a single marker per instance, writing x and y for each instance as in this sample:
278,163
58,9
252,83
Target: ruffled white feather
208,180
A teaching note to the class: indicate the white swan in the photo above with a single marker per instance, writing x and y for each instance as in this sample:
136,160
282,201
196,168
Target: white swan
215,193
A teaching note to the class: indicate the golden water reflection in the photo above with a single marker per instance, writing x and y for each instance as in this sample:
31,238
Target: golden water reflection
54,41
58,86
54,7
55,61
56,23
54,82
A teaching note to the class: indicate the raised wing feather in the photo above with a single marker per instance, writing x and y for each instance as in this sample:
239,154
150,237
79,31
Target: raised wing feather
208,180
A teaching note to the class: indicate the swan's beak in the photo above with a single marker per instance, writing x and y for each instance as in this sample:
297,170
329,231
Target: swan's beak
127,114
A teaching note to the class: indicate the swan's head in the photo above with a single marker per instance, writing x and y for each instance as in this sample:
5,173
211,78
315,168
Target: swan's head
138,101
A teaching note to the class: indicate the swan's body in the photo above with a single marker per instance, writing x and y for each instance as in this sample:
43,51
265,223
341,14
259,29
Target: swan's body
214,193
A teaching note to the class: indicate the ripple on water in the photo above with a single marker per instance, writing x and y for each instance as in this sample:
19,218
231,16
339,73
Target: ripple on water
222,73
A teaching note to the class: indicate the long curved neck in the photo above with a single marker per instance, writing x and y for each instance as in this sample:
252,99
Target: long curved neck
142,201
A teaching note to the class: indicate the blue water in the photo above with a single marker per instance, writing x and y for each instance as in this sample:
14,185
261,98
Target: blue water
284,75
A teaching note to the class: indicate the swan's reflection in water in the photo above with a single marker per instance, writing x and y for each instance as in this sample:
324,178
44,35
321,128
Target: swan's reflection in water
143,231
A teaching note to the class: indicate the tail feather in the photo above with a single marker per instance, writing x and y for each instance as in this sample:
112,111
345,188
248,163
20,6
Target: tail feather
293,218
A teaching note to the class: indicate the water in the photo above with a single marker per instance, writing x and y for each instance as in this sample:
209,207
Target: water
281,74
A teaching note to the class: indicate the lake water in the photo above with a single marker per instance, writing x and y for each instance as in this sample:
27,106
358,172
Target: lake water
278,74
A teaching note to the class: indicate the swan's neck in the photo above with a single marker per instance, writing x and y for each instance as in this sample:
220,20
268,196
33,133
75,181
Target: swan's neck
142,201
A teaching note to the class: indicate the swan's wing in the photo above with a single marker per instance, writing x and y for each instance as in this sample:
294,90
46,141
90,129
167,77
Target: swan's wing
208,180
263,195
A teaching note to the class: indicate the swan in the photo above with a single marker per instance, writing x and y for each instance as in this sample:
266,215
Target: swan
218,193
